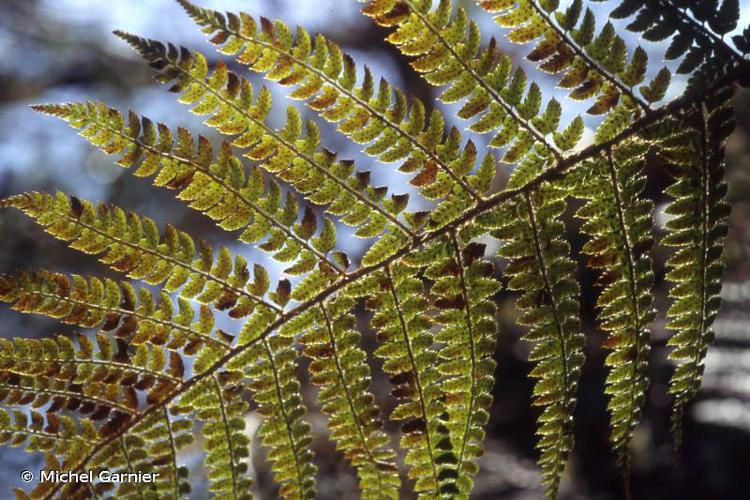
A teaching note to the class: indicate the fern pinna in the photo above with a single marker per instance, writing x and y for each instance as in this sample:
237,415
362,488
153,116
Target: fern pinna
127,396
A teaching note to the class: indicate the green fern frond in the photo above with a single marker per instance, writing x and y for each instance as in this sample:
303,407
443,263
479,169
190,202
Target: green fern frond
618,222
286,153
152,446
539,266
340,367
445,45
118,308
697,230
116,364
594,65
325,78
218,188
60,435
132,245
405,341
269,362
217,401
464,286
158,372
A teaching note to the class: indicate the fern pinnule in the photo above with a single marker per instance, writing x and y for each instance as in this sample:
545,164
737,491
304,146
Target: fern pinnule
618,222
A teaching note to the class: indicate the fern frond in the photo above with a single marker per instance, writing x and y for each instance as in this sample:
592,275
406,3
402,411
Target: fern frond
697,231
132,245
51,433
217,401
119,308
114,364
401,320
696,31
326,79
269,362
219,189
339,366
594,65
152,446
539,266
463,287
286,153
446,48
618,222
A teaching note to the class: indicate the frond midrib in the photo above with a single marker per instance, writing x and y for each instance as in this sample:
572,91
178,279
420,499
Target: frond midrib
129,463
172,452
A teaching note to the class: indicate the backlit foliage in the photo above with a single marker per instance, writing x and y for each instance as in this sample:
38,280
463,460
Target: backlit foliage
156,371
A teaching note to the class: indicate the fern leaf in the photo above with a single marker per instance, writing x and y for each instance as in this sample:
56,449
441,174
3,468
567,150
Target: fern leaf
340,367
463,286
152,446
594,65
618,222
131,244
326,79
60,435
117,308
269,361
405,348
116,364
445,45
218,188
285,153
696,31
697,231
540,268
216,401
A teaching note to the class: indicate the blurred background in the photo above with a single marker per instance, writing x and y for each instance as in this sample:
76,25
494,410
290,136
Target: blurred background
63,50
